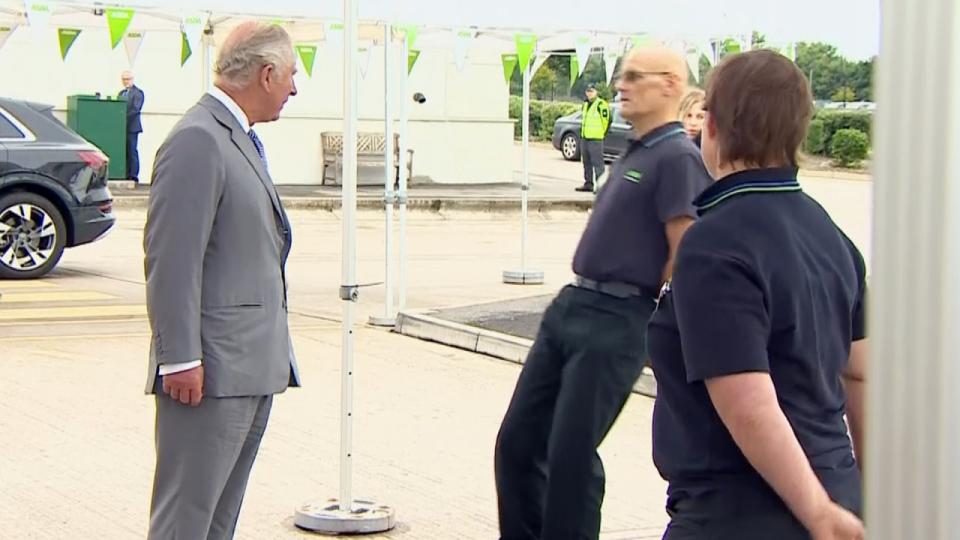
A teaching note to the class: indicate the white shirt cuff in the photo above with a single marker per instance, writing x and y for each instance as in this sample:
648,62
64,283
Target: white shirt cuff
168,369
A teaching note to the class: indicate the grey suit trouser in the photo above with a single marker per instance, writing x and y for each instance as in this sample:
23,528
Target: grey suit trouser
204,457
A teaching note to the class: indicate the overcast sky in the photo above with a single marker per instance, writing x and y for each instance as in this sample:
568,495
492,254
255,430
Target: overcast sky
851,25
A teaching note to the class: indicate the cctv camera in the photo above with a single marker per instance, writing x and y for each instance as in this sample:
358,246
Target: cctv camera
420,98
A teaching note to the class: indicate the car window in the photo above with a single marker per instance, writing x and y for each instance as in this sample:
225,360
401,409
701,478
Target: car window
8,130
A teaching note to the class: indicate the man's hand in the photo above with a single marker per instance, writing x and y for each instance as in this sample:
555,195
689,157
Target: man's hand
185,386
836,523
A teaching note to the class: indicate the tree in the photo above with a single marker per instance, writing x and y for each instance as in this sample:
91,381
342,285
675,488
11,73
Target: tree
829,72
844,93
544,83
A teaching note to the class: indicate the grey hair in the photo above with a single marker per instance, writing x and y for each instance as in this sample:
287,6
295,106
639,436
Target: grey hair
241,59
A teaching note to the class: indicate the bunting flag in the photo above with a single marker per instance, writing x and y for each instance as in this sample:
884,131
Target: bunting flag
67,37
118,19
308,55
461,43
610,58
191,26
412,57
693,62
574,70
537,62
526,47
6,32
366,52
708,49
38,15
411,32
640,40
583,53
509,65
185,50
132,42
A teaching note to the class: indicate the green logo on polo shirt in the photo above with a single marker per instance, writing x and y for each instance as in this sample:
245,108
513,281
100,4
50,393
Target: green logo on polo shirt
633,176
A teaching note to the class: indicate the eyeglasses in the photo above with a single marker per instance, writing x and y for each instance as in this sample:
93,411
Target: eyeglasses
632,75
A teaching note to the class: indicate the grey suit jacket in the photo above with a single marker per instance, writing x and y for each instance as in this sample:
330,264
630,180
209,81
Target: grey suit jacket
216,242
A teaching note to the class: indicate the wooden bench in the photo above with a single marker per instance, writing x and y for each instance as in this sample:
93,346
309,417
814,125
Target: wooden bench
370,146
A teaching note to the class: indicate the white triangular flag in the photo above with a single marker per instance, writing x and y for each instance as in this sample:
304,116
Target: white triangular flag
693,61
366,52
610,62
192,26
537,62
461,44
583,52
38,15
709,50
132,42
5,32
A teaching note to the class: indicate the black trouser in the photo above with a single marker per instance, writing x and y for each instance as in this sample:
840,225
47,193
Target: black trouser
591,152
587,356
133,156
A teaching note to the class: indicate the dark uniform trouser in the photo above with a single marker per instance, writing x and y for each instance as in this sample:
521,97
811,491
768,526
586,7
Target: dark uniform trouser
592,155
587,356
133,156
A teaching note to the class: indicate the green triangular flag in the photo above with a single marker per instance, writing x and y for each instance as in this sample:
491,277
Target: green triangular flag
640,41
119,21
574,69
526,43
411,60
412,32
185,51
67,38
731,46
308,54
509,64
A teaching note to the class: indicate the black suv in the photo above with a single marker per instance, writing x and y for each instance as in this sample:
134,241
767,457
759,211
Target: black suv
53,190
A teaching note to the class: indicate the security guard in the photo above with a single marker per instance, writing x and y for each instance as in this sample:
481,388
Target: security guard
591,344
593,128
759,340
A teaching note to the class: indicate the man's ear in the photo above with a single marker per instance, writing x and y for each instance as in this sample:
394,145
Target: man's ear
266,72
710,125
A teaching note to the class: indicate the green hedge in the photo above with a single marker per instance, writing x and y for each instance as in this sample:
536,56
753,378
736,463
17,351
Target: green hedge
543,114
832,121
849,147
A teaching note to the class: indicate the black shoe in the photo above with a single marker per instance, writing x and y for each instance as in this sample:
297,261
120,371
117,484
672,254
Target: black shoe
586,188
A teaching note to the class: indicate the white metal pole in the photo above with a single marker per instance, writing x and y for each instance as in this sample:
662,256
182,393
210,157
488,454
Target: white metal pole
525,189
913,471
389,318
524,276
207,41
402,184
349,249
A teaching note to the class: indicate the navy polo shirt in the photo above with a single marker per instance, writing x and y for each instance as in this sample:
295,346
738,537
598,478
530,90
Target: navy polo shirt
654,181
764,281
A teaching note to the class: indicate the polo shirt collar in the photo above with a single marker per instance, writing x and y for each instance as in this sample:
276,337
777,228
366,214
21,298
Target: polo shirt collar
657,135
774,180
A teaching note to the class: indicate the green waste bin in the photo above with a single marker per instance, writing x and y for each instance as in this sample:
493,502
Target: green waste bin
103,122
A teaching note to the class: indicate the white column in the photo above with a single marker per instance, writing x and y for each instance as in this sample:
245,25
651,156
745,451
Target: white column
402,184
389,317
913,450
349,249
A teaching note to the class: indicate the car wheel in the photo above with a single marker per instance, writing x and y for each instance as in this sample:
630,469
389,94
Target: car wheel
32,235
570,147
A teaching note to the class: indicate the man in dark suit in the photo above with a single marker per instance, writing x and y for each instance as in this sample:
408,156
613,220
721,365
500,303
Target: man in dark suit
134,96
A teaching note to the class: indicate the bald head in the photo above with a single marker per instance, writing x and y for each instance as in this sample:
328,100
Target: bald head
652,82
127,78
250,47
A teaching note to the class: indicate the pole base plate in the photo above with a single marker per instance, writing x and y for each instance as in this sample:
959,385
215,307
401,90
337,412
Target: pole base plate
383,321
367,517
523,277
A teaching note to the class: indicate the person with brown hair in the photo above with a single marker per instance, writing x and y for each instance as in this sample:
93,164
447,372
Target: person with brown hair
692,115
759,341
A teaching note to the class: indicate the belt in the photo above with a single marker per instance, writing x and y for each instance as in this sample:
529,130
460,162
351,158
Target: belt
614,288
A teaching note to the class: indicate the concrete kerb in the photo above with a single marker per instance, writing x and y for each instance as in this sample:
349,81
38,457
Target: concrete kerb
428,204
422,324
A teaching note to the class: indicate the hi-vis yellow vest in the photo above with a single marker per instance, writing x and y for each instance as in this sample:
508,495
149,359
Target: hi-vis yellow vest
596,120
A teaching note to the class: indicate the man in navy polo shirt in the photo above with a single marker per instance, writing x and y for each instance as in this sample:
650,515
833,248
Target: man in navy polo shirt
759,340
591,345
